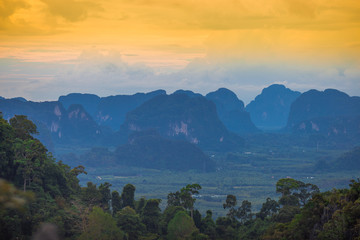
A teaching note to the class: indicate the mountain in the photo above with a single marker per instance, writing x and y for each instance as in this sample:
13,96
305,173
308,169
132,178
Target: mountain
330,112
55,123
270,109
108,111
187,92
78,127
231,111
179,116
149,150
21,99
112,110
90,102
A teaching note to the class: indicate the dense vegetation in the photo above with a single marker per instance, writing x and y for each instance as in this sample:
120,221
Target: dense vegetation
50,193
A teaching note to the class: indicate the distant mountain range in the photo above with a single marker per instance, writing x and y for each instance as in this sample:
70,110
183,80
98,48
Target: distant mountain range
270,109
108,111
331,112
231,111
55,124
218,121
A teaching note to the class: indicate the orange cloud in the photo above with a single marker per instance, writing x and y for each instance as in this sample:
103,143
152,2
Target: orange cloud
177,31
71,10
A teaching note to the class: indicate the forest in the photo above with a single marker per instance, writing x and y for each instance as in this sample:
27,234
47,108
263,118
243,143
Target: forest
40,196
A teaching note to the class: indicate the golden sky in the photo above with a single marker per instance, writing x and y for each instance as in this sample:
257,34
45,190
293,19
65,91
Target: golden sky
170,35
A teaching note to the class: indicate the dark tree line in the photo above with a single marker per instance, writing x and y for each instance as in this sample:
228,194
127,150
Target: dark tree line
35,189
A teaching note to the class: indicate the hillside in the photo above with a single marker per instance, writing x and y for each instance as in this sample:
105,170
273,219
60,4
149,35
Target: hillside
270,109
108,111
331,112
179,116
149,150
231,111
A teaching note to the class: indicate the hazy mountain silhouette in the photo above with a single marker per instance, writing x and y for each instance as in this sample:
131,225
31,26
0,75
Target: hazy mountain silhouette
179,116
231,111
108,111
330,112
270,109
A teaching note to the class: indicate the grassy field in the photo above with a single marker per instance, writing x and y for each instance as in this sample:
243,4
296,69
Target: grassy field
250,175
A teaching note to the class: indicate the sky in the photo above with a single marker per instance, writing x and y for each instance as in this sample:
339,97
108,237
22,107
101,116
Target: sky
50,48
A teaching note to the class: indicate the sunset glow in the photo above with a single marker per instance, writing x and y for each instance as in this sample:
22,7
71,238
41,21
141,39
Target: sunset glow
230,39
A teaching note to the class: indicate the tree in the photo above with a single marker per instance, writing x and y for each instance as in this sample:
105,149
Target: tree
104,190
295,192
91,195
306,192
230,203
140,204
208,226
30,156
286,186
23,127
130,223
244,211
127,196
225,228
185,198
269,208
151,215
7,154
173,199
116,202
168,214
181,226
101,226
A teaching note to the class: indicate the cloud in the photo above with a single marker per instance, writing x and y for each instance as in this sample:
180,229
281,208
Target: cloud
71,10
106,73
44,17
7,9
94,72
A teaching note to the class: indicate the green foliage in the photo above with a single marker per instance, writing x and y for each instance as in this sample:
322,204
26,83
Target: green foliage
151,215
130,223
101,226
295,192
286,186
230,203
23,127
244,212
181,226
269,208
208,226
185,197
329,215
116,201
7,154
104,190
127,196
91,195
225,228
53,195
168,214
